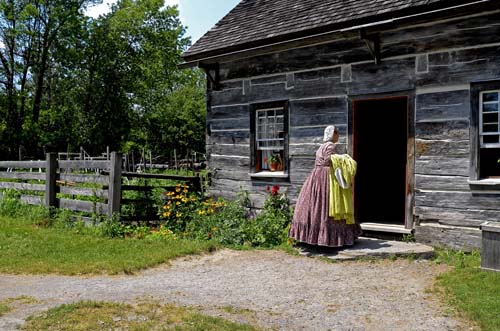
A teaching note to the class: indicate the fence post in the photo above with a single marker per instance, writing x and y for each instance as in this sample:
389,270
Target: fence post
50,180
115,184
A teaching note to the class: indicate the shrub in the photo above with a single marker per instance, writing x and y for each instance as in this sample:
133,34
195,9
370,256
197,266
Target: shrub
220,221
270,227
178,208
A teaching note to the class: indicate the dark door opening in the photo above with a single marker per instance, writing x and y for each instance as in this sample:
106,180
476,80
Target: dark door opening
380,136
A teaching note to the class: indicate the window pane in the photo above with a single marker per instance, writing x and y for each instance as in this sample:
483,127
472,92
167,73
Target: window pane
490,107
491,96
490,118
490,127
490,139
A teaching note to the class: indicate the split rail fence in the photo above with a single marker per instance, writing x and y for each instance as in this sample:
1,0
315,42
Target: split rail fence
89,186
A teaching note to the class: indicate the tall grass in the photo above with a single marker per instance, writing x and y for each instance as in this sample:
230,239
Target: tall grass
474,292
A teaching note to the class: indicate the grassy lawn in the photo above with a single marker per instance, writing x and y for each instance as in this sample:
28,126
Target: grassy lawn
475,293
28,248
91,316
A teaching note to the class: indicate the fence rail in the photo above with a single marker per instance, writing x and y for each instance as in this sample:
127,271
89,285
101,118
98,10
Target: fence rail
57,179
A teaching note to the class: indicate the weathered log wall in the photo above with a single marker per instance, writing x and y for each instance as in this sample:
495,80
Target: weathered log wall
436,61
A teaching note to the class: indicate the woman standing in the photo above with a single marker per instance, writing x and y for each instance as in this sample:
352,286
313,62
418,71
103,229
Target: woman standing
311,223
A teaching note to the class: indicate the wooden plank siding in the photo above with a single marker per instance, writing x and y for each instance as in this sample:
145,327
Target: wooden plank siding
436,60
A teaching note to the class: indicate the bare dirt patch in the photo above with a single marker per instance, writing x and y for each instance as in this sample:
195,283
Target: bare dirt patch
270,289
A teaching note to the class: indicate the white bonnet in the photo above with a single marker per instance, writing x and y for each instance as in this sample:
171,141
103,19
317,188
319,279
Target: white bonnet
329,131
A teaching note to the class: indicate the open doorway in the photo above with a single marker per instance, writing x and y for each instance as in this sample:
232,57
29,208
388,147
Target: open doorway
380,137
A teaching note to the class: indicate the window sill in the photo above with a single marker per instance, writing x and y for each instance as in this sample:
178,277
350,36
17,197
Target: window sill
489,183
269,174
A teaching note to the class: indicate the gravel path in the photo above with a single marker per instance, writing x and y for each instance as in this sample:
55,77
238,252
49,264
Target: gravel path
269,288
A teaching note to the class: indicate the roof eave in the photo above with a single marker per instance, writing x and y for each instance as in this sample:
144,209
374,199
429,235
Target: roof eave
339,30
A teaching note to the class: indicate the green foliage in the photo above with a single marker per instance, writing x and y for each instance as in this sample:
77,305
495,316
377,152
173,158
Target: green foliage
409,238
473,291
270,227
226,225
179,207
77,81
11,206
229,222
28,248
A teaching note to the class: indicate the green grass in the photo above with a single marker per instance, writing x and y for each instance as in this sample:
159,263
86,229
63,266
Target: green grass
4,308
28,248
89,316
6,305
475,293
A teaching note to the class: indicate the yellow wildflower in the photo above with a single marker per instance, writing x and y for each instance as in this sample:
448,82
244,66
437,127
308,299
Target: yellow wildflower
185,190
201,212
166,214
211,211
178,189
178,214
184,200
178,203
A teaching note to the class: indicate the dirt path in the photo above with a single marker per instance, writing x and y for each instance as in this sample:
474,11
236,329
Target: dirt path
268,288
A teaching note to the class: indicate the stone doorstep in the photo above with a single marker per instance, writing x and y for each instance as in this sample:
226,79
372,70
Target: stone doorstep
370,248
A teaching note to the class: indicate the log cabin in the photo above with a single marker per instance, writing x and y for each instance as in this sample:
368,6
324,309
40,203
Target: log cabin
413,86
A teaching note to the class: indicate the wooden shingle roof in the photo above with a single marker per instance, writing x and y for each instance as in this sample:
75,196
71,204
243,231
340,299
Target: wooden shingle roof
260,22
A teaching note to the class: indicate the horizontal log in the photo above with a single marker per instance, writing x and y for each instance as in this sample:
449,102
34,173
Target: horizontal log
461,66
98,193
324,55
443,105
23,175
229,149
311,106
84,206
388,76
457,217
228,161
227,96
457,200
230,123
22,186
442,165
22,164
442,148
240,137
441,183
319,118
84,178
268,80
458,238
240,173
230,111
448,129
87,164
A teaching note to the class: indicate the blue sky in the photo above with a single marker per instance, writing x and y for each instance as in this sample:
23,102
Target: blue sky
198,15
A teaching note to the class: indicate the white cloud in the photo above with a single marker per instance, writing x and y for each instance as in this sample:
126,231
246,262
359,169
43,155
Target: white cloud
102,8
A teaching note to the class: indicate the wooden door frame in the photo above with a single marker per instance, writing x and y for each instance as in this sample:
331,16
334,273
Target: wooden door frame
410,148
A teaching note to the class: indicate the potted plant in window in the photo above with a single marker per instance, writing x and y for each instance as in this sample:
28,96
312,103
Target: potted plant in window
274,162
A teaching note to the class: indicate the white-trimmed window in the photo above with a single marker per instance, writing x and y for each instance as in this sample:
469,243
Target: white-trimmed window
489,119
485,130
270,133
269,138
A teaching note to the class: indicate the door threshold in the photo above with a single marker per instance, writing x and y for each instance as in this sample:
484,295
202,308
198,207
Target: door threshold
381,227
